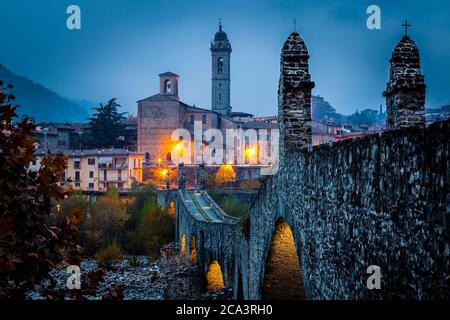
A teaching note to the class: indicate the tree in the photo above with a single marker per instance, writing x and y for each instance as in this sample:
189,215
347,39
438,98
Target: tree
322,109
107,126
155,229
367,117
30,246
77,201
225,175
108,216
141,199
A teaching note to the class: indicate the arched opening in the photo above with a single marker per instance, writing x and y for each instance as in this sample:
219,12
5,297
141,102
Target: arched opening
214,277
168,86
240,288
220,65
172,209
283,277
147,157
169,157
192,251
183,249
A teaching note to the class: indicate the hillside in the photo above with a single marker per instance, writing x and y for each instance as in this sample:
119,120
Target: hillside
40,102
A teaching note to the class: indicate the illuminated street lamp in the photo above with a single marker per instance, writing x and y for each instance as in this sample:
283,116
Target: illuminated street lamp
179,149
159,160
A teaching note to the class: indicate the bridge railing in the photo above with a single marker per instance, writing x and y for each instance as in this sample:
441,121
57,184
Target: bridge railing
226,218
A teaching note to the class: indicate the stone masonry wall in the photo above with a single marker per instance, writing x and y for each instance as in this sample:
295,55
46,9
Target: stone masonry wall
380,200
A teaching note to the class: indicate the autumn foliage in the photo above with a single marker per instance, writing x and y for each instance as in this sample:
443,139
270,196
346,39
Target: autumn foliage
29,244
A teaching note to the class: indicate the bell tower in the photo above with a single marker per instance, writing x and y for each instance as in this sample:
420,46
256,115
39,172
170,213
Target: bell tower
220,53
168,84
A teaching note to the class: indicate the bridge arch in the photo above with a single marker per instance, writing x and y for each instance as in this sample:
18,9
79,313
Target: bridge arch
240,287
171,209
183,248
283,279
214,277
192,250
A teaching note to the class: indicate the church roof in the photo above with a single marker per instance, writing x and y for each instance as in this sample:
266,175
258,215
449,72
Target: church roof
159,97
241,114
168,73
164,97
220,35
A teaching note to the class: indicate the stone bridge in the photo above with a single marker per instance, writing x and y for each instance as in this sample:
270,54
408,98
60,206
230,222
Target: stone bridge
333,210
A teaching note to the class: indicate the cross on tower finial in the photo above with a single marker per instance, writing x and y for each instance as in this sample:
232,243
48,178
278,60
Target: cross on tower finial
406,25
295,25
220,23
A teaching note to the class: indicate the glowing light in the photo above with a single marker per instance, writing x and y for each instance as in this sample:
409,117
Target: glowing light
183,248
283,277
164,172
159,161
250,151
179,149
214,277
172,209
192,251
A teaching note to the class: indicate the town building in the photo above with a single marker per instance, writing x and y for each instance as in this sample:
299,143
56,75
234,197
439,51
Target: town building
437,114
159,115
97,169
60,135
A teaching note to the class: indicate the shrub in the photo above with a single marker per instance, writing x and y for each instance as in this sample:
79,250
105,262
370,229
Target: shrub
134,262
108,217
146,195
233,206
250,184
109,254
154,230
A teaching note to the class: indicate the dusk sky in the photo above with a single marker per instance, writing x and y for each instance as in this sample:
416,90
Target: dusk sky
124,44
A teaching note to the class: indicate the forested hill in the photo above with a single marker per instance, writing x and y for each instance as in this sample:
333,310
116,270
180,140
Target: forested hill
39,102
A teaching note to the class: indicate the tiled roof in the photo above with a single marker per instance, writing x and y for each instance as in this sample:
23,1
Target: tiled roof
87,152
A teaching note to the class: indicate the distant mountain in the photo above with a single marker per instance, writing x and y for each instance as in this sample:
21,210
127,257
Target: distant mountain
39,102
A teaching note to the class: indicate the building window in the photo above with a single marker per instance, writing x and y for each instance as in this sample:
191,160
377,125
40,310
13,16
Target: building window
91,186
169,156
192,118
91,174
220,65
147,157
168,86
76,164
77,175
34,162
77,184
105,175
204,119
220,97
91,161
120,175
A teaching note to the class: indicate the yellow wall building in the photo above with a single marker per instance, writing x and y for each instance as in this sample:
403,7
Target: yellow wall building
99,169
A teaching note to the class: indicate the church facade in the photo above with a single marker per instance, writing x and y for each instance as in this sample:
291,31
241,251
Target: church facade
161,114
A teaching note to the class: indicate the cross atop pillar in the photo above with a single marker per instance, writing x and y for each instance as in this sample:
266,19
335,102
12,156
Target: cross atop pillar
406,25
